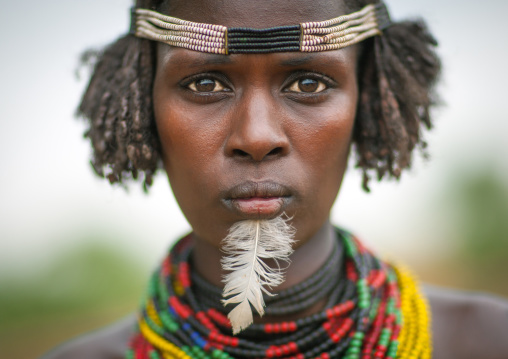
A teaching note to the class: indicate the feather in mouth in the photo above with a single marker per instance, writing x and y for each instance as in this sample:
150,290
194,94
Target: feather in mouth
246,246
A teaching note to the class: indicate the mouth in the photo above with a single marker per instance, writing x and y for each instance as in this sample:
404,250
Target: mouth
257,200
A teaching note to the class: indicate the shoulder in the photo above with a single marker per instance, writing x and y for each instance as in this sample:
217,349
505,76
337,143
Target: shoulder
468,325
106,343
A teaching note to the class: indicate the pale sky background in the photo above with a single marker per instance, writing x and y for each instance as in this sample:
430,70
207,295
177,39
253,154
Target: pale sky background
48,192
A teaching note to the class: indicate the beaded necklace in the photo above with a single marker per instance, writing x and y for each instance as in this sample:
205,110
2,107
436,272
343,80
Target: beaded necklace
374,311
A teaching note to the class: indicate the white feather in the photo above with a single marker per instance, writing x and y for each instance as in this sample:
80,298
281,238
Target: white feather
247,244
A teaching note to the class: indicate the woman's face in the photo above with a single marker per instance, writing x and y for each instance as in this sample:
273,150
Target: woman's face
253,136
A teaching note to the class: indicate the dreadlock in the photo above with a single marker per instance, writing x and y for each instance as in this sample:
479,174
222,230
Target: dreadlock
397,73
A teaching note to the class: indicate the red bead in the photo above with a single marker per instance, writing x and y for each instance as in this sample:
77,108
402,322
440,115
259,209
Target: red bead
268,328
278,352
329,313
327,326
349,305
325,356
284,327
285,350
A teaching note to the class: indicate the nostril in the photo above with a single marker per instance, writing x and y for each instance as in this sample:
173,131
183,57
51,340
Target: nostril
240,153
275,151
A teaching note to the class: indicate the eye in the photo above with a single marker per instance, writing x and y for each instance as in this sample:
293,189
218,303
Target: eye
307,85
206,84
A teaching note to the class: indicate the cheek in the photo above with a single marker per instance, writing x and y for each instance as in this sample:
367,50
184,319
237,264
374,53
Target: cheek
323,145
188,138
324,140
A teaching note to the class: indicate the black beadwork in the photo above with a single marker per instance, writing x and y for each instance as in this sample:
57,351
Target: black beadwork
274,39
289,301
382,16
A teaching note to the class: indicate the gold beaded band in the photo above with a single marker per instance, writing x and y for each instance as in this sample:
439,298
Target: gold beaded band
415,339
318,36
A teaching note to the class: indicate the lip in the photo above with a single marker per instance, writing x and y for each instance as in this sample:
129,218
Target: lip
257,200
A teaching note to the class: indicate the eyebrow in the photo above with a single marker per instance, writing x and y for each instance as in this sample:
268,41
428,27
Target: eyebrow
313,59
203,60
297,61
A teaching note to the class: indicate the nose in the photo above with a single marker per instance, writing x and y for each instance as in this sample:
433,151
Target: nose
257,131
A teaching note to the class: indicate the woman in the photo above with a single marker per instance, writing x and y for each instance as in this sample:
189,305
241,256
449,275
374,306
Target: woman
254,130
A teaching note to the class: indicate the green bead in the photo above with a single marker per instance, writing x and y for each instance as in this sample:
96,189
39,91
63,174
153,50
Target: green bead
390,306
358,335
199,352
152,285
129,354
349,246
353,350
154,326
363,304
363,296
385,338
356,343
374,309
391,276
154,355
216,354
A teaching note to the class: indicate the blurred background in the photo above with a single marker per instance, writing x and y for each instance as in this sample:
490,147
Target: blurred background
75,252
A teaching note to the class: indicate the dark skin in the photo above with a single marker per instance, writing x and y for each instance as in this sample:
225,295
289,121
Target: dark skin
221,126
283,119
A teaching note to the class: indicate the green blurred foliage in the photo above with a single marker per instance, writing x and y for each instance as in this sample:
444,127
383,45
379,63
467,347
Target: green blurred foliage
84,288
475,202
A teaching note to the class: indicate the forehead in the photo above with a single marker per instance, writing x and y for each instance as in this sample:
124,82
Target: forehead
254,13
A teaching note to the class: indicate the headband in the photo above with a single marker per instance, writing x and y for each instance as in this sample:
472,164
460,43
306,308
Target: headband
314,36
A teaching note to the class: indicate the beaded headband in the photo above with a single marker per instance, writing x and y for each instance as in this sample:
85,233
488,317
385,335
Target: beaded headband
314,36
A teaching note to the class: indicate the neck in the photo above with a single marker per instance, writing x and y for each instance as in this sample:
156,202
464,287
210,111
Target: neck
305,261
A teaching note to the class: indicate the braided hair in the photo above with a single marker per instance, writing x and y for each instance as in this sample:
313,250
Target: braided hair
397,74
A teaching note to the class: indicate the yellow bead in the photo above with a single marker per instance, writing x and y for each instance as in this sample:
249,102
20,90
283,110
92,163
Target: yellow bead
414,338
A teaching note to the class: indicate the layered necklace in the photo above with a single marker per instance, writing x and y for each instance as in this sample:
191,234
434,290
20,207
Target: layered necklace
372,310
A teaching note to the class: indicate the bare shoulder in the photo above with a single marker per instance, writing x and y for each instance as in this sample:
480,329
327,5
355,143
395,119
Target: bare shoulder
106,343
468,325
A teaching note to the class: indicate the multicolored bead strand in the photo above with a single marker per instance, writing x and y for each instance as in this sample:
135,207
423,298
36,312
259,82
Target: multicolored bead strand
314,36
375,311
415,339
